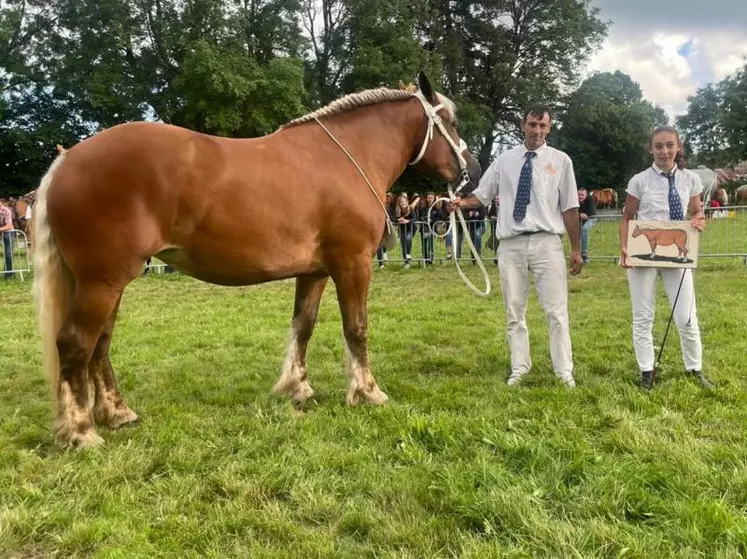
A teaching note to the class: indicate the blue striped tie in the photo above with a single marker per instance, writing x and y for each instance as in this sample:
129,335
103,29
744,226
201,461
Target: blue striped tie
525,188
675,204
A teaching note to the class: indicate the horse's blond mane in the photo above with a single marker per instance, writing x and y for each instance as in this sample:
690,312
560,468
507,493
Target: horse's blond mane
366,98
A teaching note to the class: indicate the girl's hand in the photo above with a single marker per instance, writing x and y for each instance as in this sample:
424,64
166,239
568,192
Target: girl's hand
699,223
624,258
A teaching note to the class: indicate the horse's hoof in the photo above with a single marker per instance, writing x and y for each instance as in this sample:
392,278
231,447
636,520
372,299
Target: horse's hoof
377,397
122,417
374,396
81,441
302,393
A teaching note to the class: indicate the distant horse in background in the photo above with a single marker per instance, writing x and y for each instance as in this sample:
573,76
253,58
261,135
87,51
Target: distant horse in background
229,212
740,195
664,237
605,198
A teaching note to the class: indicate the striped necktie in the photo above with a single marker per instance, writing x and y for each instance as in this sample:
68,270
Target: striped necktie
525,188
675,204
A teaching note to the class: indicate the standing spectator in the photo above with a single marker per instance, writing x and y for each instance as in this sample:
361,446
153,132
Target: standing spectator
587,209
404,214
426,235
6,226
381,255
493,241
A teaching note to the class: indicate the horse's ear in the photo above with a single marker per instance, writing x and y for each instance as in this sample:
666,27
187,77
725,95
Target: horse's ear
427,89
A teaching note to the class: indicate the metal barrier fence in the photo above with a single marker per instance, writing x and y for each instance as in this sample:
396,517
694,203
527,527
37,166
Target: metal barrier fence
16,256
725,236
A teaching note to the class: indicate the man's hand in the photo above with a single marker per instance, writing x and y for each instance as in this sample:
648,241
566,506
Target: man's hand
583,217
698,222
454,204
576,262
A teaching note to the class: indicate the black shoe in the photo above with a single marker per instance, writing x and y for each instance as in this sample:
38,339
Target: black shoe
647,380
704,382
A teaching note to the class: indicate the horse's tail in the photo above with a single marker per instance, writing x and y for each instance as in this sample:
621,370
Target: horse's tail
53,282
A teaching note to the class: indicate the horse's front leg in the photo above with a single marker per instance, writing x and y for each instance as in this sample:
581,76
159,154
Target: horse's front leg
652,244
352,279
293,379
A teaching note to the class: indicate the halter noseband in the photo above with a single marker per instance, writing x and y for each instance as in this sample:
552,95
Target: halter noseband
431,112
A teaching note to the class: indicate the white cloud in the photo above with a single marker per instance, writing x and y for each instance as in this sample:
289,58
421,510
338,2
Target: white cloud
652,58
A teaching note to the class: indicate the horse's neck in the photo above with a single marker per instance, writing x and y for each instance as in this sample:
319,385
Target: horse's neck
394,128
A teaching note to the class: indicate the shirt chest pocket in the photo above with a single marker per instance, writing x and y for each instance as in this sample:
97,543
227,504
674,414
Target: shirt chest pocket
545,184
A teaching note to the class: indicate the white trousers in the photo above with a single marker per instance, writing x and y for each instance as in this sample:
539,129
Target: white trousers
542,254
642,282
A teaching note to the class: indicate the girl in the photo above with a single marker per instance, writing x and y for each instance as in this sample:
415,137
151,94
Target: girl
665,191
403,213
425,232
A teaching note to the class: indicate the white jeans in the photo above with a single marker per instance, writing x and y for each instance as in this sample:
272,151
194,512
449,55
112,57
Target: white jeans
542,254
642,282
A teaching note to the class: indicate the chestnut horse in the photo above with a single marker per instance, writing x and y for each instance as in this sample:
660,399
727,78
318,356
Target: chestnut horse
664,237
229,212
740,195
604,198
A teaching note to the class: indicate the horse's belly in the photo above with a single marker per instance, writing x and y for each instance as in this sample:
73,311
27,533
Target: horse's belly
238,268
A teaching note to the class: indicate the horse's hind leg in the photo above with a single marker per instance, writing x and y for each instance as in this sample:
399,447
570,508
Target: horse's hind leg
293,379
352,283
91,307
109,407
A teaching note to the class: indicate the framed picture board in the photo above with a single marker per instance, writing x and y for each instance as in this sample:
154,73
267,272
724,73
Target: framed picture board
663,244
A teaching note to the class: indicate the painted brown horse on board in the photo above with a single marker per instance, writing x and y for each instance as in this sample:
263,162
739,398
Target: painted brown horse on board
664,237
208,206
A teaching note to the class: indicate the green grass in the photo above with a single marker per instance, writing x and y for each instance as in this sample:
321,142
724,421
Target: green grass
457,464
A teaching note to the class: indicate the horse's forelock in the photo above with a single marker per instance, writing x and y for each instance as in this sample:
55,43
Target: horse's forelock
448,105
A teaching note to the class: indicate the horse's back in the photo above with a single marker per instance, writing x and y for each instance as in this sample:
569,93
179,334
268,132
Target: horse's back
126,185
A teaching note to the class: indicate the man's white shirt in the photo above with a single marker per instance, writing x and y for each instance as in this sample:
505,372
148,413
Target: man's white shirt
553,190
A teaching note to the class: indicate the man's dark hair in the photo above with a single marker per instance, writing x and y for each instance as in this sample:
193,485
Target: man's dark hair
536,109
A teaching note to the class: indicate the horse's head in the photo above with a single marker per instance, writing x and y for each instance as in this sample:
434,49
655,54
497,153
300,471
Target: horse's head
443,154
636,231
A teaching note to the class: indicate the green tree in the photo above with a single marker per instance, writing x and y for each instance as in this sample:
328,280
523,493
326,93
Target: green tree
605,129
32,124
117,60
733,116
502,54
701,126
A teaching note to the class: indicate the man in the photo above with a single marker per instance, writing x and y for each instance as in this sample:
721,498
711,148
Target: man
6,226
539,203
587,209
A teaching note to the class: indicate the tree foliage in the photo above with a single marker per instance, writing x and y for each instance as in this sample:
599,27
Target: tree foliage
244,67
715,125
605,130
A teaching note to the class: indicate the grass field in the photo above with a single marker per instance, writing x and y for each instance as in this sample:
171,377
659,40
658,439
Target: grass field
456,465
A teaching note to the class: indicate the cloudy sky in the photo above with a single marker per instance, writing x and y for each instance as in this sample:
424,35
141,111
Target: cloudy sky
672,47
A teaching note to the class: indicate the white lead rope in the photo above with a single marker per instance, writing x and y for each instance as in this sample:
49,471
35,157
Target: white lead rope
455,242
